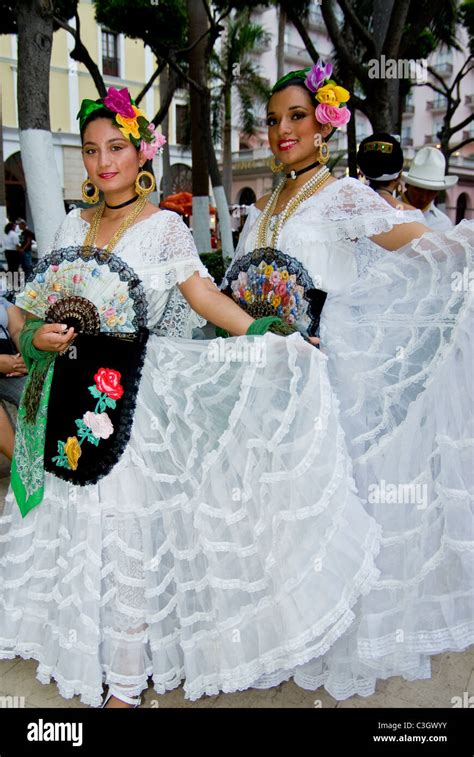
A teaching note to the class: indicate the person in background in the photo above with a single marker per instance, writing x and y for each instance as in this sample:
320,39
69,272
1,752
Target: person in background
423,182
12,366
26,240
11,244
380,158
12,372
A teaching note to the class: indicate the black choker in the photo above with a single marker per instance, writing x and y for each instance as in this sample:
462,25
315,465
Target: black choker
294,174
122,205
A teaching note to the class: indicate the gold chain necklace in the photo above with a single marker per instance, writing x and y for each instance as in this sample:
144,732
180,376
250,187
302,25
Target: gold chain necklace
308,189
89,241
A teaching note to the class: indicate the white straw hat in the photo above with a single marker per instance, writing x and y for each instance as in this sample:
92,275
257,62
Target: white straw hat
427,170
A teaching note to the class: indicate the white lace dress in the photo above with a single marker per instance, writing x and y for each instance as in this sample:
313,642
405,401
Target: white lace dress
228,542
397,329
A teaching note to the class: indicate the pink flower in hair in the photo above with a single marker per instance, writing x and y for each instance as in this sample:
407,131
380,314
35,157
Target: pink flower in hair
317,75
330,114
118,101
159,139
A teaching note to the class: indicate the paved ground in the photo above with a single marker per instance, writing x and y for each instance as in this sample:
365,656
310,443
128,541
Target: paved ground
452,676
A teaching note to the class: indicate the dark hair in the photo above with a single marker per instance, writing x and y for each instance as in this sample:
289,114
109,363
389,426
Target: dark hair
375,163
297,82
9,227
106,113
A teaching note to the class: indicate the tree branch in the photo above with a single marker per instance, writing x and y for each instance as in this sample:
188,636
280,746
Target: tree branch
164,106
396,25
336,38
301,29
149,83
359,29
81,54
460,145
453,129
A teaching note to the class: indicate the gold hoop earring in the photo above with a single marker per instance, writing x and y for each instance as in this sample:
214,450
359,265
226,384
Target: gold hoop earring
144,183
90,192
276,167
323,152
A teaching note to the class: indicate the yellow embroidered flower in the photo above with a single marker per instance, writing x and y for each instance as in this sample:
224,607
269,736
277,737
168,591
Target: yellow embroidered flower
72,448
32,294
56,287
285,275
276,301
112,321
268,270
332,94
247,295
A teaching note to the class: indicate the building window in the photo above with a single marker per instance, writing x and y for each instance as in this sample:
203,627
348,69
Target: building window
110,55
183,132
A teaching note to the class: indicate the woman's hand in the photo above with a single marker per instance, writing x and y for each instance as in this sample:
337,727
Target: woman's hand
12,365
53,337
18,367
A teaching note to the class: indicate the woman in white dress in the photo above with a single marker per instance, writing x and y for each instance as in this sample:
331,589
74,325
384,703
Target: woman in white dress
396,325
200,520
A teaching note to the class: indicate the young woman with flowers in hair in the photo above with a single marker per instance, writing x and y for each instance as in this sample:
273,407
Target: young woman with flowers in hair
390,302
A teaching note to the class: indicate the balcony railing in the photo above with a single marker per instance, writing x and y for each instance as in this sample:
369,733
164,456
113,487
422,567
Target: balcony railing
469,101
431,139
443,69
436,105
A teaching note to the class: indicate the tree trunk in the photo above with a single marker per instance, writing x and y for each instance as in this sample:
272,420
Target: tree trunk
391,87
282,18
165,129
220,199
227,143
35,34
200,110
3,201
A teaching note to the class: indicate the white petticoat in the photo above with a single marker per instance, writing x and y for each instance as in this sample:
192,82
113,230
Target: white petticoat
228,542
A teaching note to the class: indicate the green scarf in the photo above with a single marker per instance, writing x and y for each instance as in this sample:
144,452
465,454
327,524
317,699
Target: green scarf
27,469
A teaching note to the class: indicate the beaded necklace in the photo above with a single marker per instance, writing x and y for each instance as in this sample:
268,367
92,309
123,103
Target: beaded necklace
308,189
126,223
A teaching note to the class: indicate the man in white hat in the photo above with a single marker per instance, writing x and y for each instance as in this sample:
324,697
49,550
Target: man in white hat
425,179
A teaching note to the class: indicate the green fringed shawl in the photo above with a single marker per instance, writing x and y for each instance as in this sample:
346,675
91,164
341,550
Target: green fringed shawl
27,470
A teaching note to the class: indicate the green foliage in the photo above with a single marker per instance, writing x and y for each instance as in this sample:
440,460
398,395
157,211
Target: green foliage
163,27
233,66
215,264
65,9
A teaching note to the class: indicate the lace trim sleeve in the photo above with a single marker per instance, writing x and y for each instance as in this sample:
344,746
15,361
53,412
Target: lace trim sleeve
169,252
355,211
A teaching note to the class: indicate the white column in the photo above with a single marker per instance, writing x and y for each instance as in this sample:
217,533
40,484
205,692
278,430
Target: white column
150,63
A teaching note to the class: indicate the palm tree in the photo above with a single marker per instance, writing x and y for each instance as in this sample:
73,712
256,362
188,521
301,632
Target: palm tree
234,70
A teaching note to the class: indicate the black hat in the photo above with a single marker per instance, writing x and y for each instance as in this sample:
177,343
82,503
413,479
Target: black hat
380,157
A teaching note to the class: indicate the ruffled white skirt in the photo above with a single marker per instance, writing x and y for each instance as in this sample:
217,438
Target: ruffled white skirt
228,542
230,546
